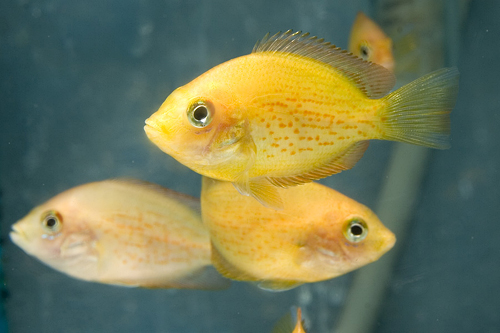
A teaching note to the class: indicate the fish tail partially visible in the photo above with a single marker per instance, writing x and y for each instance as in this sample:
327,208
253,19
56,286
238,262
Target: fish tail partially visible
419,112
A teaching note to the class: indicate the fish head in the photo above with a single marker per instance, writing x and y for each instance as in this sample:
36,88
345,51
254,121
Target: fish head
195,126
57,234
348,236
369,42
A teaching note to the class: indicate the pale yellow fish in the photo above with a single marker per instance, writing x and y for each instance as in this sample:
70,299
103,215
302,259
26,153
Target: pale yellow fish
122,232
369,42
287,325
294,110
318,235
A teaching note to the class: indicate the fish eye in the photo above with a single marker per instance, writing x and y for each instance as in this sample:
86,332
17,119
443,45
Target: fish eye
200,114
355,230
365,52
52,221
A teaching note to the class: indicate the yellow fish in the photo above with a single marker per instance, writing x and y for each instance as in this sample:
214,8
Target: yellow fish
294,110
286,324
318,235
122,232
369,42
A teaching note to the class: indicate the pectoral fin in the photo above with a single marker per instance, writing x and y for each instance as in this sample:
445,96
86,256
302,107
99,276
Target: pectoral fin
262,190
228,270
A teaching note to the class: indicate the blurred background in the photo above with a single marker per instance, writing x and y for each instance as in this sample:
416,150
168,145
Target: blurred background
78,79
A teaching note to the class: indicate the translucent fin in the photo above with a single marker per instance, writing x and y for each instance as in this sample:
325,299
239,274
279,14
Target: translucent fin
262,190
208,279
418,113
278,285
227,269
373,80
290,323
344,161
205,279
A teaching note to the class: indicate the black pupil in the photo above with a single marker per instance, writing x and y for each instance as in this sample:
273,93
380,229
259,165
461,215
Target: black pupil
200,113
356,230
364,52
51,221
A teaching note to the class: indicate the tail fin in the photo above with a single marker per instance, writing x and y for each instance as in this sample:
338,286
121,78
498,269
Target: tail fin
418,113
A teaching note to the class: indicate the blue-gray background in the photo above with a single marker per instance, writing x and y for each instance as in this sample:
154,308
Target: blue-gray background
77,81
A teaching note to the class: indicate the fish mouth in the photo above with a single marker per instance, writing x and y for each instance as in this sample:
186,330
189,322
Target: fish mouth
389,241
151,126
17,235
153,132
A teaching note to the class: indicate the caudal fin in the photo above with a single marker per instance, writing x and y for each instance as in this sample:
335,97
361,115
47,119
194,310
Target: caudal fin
419,112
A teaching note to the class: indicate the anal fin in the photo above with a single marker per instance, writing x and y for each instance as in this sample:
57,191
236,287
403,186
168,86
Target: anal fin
343,161
278,285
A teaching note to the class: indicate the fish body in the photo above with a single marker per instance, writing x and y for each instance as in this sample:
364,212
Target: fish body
287,324
369,42
122,232
295,110
309,240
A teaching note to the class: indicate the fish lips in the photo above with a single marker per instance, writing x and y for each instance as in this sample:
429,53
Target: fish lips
17,236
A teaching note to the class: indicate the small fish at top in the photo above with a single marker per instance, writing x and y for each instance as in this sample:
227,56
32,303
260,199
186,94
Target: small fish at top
294,110
369,42
318,235
287,324
128,233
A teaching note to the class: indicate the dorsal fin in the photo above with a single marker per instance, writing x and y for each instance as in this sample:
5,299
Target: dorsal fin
373,80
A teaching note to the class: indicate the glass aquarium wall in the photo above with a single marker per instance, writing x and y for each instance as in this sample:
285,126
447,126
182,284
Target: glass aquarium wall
79,78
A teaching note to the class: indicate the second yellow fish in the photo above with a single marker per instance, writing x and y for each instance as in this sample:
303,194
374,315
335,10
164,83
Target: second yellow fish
318,235
294,110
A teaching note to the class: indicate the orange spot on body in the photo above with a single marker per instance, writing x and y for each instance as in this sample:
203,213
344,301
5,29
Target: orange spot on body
281,125
292,153
296,131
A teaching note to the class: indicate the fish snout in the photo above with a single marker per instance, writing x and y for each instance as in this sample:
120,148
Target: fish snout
17,235
388,241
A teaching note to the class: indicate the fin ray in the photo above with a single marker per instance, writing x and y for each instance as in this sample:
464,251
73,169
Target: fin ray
278,285
418,113
228,270
342,162
262,190
373,80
